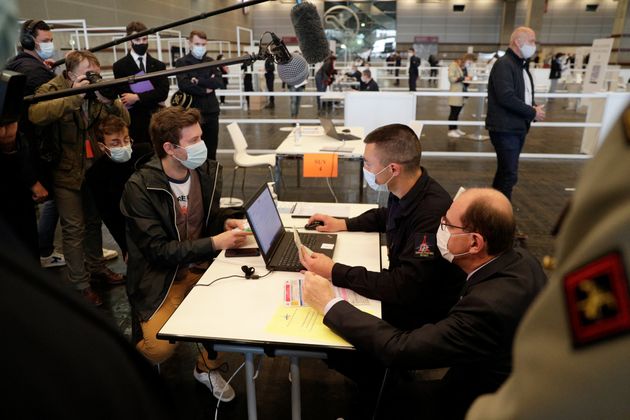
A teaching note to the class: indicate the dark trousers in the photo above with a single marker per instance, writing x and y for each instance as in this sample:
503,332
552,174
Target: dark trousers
269,78
210,129
321,87
413,77
454,116
508,147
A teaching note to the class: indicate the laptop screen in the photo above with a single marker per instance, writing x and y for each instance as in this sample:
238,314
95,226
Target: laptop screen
329,127
264,219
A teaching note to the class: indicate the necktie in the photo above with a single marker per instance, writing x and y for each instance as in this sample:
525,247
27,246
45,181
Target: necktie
141,65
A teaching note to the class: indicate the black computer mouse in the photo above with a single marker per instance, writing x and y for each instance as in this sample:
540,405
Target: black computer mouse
345,130
313,225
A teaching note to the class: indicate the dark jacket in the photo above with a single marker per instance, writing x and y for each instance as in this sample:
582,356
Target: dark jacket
371,86
556,69
507,110
475,340
417,287
414,63
37,73
209,78
140,113
155,248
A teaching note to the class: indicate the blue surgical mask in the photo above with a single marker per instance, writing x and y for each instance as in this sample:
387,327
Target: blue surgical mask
120,154
46,50
198,51
528,50
370,178
197,155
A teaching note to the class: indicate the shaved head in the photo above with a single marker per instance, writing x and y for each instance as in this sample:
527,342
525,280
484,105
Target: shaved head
522,33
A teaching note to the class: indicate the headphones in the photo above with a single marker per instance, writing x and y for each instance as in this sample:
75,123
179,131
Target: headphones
27,36
249,272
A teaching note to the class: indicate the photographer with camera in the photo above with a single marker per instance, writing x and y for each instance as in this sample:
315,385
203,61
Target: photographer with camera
71,121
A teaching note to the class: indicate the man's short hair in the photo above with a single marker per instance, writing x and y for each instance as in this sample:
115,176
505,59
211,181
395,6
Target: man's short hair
497,227
167,124
111,124
397,143
411,49
136,26
367,73
198,34
28,26
74,58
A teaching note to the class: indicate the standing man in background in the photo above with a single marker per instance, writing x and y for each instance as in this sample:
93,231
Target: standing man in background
414,63
511,107
201,84
34,61
141,99
270,68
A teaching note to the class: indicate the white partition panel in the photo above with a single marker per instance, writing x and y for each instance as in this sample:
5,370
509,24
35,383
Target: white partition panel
371,110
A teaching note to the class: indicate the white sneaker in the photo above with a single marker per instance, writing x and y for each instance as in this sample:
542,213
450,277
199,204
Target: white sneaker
454,134
53,260
221,390
109,254
460,132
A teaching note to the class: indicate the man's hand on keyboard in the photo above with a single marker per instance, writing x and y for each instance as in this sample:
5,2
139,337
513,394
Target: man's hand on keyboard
317,263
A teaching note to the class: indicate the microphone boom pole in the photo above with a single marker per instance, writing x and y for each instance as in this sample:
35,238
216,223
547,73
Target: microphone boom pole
151,31
248,58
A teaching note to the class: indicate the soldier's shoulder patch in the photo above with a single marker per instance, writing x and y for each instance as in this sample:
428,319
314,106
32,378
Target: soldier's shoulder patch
597,299
425,246
626,124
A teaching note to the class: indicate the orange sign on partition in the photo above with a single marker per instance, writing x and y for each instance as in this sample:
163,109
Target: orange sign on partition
321,165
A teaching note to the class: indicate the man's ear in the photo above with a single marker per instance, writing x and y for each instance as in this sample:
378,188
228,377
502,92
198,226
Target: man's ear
102,147
478,243
168,147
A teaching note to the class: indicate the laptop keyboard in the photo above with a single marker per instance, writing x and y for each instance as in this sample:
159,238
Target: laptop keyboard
291,257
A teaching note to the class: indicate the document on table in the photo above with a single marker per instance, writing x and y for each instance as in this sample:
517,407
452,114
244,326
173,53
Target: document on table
309,209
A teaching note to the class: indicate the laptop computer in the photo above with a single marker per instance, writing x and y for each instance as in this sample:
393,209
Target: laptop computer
331,131
277,245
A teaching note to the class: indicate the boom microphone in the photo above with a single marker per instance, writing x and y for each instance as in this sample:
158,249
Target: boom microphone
295,71
310,32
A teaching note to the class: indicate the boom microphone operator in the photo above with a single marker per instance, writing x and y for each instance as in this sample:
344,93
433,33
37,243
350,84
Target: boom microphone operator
310,32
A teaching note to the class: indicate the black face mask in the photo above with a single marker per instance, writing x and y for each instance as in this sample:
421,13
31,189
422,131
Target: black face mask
140,49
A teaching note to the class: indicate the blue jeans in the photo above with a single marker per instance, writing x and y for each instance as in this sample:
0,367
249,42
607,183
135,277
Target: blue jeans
295,100
46,226
508,147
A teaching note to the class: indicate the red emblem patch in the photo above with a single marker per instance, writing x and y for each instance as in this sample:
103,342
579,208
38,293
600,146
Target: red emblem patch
598,300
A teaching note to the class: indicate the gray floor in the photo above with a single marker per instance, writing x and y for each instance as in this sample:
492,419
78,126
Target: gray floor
538,199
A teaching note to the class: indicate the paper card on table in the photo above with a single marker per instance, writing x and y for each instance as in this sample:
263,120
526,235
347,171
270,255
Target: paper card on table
320,165
303,322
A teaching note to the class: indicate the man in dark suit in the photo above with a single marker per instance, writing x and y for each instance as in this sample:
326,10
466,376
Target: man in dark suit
201,85
141,99
414,63
475,339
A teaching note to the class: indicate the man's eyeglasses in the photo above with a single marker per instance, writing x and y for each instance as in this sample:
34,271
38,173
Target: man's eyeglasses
444,224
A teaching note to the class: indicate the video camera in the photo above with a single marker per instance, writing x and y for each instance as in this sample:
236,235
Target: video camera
94,78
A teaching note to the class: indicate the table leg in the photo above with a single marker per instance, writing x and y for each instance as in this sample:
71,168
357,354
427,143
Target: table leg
297,173
478,135
296,400
250,387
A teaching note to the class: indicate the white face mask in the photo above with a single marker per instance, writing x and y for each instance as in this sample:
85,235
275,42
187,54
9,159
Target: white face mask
443,236
197,155
46,50
528,50
120,154
370,178
198,51
364,80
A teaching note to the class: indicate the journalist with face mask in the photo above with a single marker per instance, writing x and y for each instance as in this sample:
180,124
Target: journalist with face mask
475,339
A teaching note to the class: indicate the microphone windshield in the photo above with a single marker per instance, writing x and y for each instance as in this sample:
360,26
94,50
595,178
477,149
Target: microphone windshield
310,32
295,71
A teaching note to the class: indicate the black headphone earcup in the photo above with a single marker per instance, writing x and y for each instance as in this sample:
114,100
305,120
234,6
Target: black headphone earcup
27,38
249,271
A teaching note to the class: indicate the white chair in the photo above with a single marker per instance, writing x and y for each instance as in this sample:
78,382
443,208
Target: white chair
244,160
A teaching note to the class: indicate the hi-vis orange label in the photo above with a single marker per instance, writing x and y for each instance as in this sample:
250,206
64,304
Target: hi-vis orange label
89,153
321,165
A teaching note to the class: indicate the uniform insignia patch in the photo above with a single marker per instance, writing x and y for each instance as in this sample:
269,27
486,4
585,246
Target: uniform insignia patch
425,246
597,300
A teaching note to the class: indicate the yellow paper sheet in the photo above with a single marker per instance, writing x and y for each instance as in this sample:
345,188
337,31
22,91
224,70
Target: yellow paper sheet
304,322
